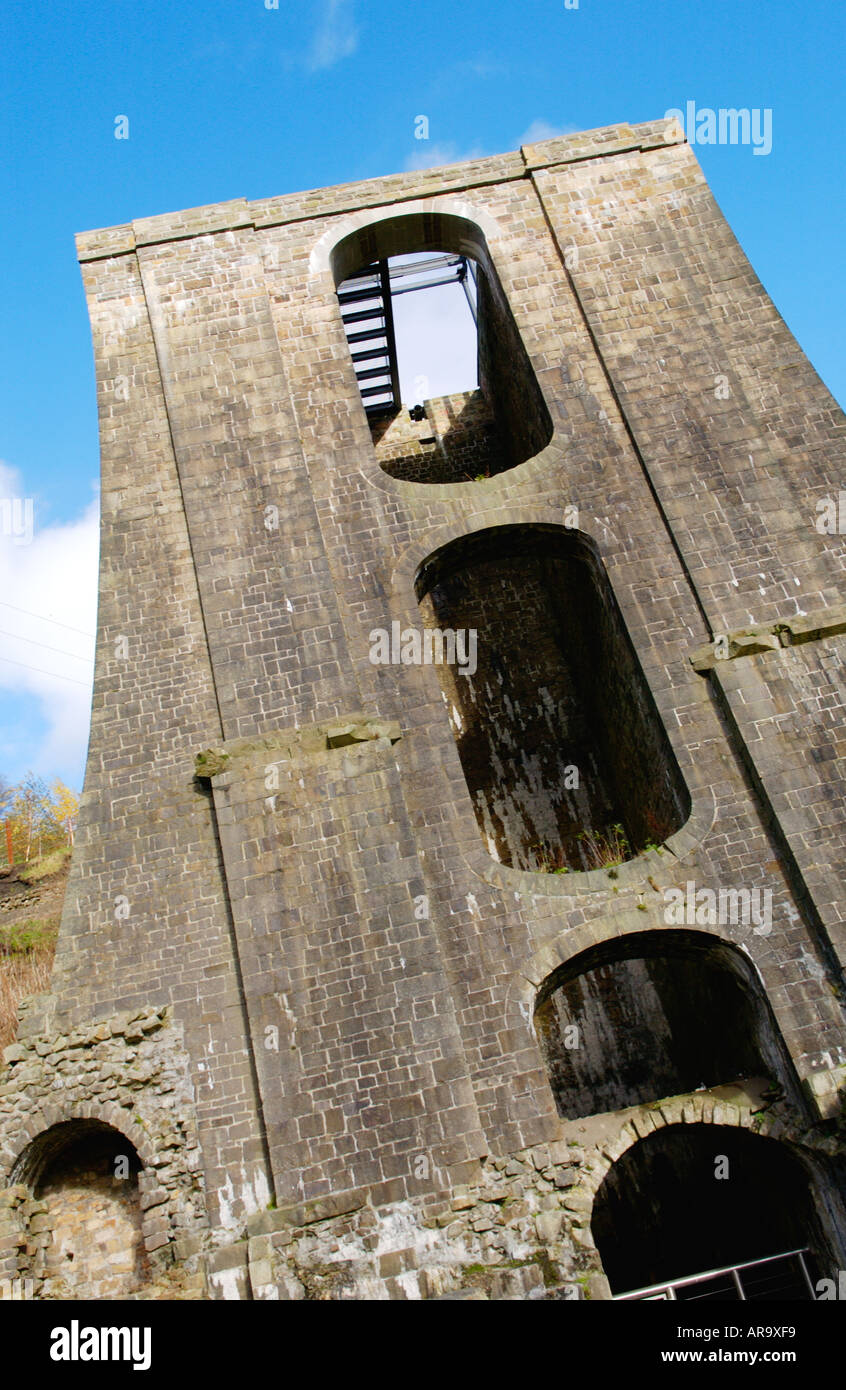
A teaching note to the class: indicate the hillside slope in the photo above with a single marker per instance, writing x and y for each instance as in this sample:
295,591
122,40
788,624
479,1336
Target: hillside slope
31,900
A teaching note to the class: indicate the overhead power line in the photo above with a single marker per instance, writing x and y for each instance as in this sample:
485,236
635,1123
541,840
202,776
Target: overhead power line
20,638
85,684
44,619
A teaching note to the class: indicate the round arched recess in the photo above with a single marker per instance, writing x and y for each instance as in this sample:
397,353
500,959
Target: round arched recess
654,1014
713,1211
564,753
86,1175
466,436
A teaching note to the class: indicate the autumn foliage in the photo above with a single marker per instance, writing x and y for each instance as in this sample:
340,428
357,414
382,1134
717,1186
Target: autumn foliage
41,818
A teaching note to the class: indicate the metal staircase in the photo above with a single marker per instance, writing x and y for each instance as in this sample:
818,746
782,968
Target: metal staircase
367,314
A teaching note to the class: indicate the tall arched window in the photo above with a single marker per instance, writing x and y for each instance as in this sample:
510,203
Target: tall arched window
564,753
655,1014
447,385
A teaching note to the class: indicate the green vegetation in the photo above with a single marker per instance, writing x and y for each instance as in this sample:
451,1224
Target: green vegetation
48,864
31,901
35,934
603,850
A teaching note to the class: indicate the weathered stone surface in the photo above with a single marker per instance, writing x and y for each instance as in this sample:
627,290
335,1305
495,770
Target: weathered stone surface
284,845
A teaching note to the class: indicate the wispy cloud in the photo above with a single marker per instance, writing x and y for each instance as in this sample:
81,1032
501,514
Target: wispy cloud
47,660
433,155
446,152
542,130
336,36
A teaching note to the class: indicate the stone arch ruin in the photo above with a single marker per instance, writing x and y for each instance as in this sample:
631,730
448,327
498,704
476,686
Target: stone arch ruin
695,1198
83,1176
656,1014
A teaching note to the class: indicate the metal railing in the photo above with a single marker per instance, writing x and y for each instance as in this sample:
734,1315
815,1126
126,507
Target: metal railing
667,1290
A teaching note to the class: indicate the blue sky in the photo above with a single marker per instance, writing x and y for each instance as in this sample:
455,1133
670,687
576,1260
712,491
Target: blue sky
229,98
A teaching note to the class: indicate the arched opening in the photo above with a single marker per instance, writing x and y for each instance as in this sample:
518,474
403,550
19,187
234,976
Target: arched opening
86,1175
419,293
707,1200
655,1014
565,756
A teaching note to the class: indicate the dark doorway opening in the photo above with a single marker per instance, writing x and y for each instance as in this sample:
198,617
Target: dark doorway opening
565,756
690,1199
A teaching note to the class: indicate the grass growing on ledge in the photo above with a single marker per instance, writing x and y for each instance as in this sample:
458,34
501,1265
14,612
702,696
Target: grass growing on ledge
603,850
48,864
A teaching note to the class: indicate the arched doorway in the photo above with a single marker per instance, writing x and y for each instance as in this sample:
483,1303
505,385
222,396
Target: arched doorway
86,1175
713,1212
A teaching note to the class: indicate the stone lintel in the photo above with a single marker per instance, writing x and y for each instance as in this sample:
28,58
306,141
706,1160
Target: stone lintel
789,632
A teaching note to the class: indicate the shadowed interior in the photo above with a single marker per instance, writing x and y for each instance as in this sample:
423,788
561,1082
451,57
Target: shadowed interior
564,754
651,1015
693,1198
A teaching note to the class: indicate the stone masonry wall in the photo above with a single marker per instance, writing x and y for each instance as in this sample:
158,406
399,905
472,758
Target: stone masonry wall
251,544
456,442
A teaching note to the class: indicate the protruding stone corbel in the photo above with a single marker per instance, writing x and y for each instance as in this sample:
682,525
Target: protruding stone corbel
298,743
787,632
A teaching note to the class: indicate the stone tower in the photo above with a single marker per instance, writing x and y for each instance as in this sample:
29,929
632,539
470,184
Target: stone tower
456,908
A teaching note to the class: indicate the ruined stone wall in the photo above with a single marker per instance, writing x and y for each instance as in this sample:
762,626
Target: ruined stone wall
94,1219
101,1170
519,1228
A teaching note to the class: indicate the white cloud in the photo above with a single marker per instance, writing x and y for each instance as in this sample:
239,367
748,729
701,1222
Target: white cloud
48,658
433,156
542,130
336,36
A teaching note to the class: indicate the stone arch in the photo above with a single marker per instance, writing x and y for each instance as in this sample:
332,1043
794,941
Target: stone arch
469,436
651,1014
707,1191
13,1154
323,258
86,1182
635,874
563,751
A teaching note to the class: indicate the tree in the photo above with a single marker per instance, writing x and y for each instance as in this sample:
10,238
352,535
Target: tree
65,808
41,818
30,810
